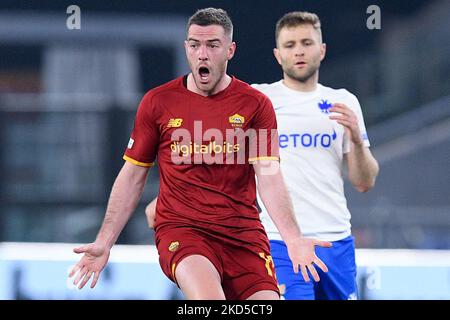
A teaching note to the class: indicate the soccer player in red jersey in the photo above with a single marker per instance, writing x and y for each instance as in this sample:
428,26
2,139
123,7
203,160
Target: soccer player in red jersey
212,136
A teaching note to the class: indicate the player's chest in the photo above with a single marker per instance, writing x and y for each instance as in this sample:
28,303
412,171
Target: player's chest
306,126
206,119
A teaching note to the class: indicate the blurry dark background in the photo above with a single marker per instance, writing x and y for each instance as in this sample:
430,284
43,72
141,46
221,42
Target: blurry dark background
68,99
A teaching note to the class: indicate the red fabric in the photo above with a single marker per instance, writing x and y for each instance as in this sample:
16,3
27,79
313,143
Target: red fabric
220,198
244,270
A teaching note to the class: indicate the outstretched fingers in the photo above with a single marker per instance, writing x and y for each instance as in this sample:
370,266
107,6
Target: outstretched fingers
94,281
85,279
325,244
305,273
80,275
320,264
295,266
81,249
313,272
74,270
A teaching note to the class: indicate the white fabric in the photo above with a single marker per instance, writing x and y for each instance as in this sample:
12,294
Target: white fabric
311,152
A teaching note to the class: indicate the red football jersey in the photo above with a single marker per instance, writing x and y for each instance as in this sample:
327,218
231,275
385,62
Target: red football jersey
204,147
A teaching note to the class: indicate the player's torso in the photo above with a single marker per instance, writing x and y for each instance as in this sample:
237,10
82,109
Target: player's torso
203,174
202,131
311,156
310,143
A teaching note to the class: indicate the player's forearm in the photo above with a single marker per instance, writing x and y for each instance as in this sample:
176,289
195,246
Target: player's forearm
362,168
276,199
124,198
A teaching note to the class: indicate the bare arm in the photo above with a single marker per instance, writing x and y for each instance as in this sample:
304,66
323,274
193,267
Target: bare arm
362,166
274,194
276,199
125,195
124,198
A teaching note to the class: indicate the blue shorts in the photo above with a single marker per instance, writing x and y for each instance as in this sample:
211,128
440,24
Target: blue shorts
339,283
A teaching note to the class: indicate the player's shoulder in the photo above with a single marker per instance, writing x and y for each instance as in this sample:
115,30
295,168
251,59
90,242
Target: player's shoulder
267,88
248,90
154,100
340,93
164,89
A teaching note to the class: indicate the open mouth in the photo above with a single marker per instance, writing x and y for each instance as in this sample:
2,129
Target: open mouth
204,74
300,64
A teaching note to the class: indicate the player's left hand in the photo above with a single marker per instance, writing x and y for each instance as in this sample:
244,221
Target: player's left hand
302,253
150,213
348,119
95,257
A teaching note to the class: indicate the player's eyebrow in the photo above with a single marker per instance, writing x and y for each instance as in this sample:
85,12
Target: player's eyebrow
210,40
293,41
288,42
307,39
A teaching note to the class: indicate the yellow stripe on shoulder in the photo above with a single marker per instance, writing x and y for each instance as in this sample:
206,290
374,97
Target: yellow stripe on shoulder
263,158
142,164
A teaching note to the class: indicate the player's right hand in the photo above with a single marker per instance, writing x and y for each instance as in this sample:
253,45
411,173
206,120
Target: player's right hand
93,261
302,254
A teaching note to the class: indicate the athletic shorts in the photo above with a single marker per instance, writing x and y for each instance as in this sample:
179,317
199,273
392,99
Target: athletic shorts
244,270
339,283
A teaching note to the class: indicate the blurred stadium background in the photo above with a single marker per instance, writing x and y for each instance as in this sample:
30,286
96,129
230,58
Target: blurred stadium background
67,104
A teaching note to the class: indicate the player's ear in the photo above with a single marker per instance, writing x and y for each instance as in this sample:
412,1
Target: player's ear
323,51
276,53
231,51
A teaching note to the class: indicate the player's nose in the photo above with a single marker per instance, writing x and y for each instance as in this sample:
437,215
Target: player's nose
299,51
202,53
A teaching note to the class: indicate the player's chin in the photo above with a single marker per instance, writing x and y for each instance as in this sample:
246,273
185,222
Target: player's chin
303,75
206,86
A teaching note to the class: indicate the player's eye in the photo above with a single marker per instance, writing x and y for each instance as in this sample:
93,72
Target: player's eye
289,45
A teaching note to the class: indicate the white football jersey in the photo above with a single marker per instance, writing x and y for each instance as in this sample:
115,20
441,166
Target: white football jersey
311,158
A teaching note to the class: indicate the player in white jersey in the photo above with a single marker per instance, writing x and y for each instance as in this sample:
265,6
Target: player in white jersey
321,130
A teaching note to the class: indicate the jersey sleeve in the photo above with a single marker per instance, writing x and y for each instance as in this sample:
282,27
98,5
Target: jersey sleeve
356,107
143,144
264,140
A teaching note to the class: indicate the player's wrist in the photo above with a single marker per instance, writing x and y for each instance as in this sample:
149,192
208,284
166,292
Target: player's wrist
359,143
292,241
106,243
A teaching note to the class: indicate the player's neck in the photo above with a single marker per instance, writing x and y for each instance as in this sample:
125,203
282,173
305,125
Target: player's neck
223,83
303,86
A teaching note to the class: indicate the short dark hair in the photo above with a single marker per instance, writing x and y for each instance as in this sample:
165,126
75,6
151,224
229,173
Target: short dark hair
296,18
210,16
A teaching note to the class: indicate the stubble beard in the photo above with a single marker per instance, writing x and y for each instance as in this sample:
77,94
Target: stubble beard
310,72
